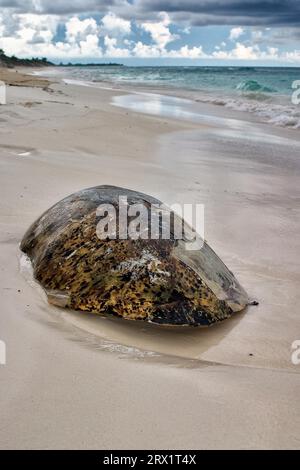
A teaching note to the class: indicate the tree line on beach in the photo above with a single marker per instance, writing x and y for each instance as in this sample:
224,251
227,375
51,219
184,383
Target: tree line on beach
13,61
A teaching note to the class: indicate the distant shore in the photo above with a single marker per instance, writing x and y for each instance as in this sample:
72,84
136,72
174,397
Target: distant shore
13,61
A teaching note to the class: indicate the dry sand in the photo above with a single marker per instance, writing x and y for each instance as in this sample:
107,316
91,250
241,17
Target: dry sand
13,77
72,381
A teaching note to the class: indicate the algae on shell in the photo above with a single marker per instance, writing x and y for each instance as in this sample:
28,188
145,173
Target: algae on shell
155,280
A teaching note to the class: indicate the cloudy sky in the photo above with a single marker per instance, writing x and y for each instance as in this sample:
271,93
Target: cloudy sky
154,31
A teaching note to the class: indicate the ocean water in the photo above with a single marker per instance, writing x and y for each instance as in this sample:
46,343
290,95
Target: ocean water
265,91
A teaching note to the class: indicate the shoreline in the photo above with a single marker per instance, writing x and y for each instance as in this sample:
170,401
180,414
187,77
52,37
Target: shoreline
238,106
60,140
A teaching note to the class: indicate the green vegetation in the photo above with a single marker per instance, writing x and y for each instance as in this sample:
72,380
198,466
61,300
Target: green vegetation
14,61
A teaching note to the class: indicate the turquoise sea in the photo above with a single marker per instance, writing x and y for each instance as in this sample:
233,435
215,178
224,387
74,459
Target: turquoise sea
265,91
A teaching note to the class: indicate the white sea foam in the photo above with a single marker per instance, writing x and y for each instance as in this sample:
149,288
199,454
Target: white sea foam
283,115
279,115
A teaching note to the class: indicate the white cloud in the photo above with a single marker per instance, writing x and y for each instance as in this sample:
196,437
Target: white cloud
145,50
256,35
186,52
78,30
36,28
2,27
82,40
187,30
35,34
293,56
112,50
273,52
27,35
90,46
235,33
160,31
32,32
116,25
240,52
244,52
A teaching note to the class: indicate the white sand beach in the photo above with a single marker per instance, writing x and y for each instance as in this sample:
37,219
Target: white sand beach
73,380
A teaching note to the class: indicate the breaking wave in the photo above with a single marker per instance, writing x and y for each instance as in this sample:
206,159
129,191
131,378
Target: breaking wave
254,86
278,114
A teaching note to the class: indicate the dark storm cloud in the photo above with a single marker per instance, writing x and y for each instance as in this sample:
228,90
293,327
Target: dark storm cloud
61,7
26,6
193,12
227,12
65,7
281,37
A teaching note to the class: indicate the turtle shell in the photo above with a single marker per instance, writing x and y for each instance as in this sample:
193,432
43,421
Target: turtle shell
155,280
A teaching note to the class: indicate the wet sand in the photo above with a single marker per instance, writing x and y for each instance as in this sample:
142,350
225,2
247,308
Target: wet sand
79,381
